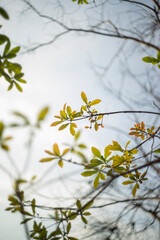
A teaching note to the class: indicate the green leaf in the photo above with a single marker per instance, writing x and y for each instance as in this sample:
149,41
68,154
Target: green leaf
86,213
14,50
84,97
73,217
12,199
88,205
106,152
77,135
1,129
84,219
81,145
88,173
68,227
42,114
128,182
10,86
96,162
7,47
157,150
96,181
78,203
21,80
115,147
72,238
26,220
96,152
33,203
158,55
3,39
102,176
4,14
18,114
18,87
147,59
134,151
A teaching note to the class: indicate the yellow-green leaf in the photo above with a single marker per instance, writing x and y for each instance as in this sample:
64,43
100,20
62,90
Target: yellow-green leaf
72,130
60,163
42,114
63,126
96,181
127,182
65,151
134,190
84,97
55,123
94,102
49,152
96,152
69,110
18,87
96,126
84,219
78,203
106,152
56,149
47,159
88,173
102,176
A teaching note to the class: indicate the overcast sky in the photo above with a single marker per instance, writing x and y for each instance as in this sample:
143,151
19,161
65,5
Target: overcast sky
55,74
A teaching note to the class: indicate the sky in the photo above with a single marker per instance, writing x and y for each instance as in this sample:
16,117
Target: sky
57,74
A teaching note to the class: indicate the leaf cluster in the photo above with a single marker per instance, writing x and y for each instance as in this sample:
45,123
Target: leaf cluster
153,60
12,72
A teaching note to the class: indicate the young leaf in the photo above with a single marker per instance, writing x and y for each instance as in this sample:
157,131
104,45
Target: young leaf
134,190
128,182
65,151
96,181
72,130
42,114
157,150
102,176
15,50
18,87
94,102
63,126
60,163
46,159
3,13
147,59
84,97
68,227
26,220
88,173
55,123
56,149
84,219
96,152
88,205
78,203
